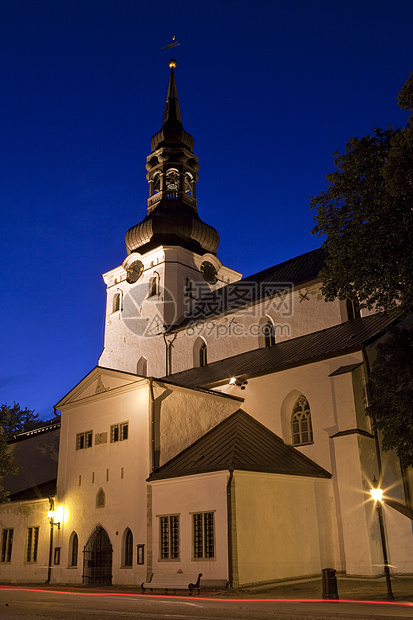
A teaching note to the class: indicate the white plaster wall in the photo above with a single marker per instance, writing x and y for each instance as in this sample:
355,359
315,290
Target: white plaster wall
399,535
355,463
185,415
124,342
184,496
83,472
20,516
279,531
294,314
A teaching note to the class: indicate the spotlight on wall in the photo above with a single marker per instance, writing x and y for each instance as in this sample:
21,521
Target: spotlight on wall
238,382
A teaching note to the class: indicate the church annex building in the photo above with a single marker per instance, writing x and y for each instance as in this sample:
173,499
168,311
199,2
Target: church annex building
223,430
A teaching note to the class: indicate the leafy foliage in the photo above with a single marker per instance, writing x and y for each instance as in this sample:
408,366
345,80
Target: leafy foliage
15,420
12,420
366,214
6,466
392,387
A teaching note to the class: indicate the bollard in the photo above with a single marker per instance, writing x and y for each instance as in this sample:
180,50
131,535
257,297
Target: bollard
329,583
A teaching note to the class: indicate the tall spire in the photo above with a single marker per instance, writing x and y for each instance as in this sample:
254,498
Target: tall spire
172,110
172,173
172,132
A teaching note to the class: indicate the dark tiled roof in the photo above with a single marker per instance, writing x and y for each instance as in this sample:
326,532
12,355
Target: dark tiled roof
259,286
36,458
240,443
338,340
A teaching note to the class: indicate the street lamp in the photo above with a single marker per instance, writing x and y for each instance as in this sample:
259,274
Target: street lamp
51,514
377,495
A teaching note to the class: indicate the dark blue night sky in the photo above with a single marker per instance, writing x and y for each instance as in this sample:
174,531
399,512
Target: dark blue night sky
269,90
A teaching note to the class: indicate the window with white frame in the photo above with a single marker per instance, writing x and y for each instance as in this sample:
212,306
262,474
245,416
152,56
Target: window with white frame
203,536
84,440
32,543
301,427
6,544
119,432
169,537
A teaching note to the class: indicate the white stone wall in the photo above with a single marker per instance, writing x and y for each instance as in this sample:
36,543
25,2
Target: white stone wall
283,526
19,516
184,496
119,468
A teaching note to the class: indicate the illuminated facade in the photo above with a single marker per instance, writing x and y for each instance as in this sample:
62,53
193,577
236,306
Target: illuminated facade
223,431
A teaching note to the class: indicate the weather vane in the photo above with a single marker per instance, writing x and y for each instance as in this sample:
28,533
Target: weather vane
170,45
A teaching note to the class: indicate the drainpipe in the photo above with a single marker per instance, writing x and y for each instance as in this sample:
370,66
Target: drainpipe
152,419
229,529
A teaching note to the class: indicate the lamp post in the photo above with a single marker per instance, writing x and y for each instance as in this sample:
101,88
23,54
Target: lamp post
377,495
51,513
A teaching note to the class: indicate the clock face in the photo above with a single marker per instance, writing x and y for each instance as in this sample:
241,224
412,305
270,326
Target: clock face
134,271
209,272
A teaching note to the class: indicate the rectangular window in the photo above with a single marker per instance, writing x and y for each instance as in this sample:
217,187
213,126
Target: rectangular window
32,541
203,536
6,545
119,432
84,440
169,537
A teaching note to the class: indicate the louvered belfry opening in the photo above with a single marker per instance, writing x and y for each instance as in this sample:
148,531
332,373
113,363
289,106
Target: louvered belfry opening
97,559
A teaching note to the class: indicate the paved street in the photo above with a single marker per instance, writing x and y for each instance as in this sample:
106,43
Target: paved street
38,604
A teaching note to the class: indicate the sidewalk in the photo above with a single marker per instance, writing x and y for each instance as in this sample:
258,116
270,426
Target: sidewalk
349,588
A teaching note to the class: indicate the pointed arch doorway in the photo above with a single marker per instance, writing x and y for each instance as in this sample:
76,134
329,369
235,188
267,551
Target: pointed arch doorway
97,559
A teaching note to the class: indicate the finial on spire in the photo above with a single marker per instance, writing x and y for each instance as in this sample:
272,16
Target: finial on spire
172,63
173,44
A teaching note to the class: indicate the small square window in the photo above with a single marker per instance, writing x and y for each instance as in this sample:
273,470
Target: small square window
119,432
84,440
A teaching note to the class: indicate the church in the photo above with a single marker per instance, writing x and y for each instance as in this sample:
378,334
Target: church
223,430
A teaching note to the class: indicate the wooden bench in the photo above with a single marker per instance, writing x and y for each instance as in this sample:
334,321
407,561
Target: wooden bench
172,581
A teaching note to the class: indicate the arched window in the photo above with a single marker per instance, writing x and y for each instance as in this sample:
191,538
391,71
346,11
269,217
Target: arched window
127,547
153,288
203,355
189,183
301,427
266,334
117,302
172,180
142,367
73,549
269,335
100,498
200,352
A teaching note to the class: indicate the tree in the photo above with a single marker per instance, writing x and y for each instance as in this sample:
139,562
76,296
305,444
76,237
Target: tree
6,466
14,420
366,214
392,393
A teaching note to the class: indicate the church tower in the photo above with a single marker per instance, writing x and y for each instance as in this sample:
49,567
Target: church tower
172,255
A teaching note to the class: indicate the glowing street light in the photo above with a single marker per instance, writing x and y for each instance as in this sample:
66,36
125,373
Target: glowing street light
377,495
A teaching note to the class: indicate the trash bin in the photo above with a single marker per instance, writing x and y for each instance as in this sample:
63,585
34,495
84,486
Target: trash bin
329,583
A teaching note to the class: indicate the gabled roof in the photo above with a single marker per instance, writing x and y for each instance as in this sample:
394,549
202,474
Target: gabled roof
240,443
338,340
256,287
